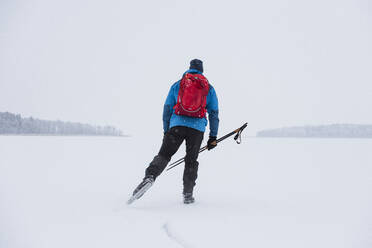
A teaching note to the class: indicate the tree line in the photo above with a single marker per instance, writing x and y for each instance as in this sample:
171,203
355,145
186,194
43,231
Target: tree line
14,124
324,131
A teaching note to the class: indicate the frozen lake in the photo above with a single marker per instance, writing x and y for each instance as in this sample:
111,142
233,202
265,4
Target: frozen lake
58,192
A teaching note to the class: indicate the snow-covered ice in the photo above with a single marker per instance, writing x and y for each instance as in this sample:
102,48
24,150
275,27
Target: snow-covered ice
58,192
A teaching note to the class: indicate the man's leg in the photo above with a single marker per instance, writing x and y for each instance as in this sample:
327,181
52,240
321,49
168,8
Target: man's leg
194,139
171,142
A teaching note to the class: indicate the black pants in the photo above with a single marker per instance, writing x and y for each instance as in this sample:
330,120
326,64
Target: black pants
171,142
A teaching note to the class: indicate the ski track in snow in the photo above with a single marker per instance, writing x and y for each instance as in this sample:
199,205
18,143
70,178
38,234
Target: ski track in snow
171,236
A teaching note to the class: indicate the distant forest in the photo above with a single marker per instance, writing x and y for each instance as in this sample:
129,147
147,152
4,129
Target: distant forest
325,131
15,124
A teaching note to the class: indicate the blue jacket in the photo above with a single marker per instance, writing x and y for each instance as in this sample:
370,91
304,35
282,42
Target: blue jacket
170,119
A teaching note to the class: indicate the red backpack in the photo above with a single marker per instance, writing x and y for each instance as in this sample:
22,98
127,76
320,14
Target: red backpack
192,96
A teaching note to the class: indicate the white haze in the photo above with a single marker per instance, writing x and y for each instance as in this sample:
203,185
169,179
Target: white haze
273,63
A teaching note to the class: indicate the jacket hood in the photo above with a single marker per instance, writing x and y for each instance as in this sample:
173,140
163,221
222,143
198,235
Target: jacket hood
193,71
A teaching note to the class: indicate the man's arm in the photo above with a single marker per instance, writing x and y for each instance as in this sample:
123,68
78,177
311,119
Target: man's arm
212,108
168,108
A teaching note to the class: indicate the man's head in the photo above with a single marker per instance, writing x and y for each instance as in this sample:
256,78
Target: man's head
196,64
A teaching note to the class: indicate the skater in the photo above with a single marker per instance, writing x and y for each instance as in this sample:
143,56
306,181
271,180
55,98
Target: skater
184,118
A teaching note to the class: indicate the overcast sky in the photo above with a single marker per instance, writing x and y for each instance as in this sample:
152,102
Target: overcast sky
273,63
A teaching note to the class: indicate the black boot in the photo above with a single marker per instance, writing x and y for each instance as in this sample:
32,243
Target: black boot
150,179
146,183
188,198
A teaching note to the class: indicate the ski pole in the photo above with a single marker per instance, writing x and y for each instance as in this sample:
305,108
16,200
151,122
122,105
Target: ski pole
237,138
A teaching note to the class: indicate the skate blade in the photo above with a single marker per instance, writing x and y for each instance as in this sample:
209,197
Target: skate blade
131,200
140,193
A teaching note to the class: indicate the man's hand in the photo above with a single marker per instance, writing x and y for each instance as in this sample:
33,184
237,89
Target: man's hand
212,142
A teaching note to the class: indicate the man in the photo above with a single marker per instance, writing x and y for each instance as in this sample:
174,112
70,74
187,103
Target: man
182,122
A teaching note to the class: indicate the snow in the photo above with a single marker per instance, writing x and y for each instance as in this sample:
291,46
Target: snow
71,192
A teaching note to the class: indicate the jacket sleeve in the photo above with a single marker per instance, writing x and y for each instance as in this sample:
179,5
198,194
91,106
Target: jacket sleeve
168,108
212,108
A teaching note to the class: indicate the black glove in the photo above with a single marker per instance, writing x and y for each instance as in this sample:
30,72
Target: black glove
212,142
